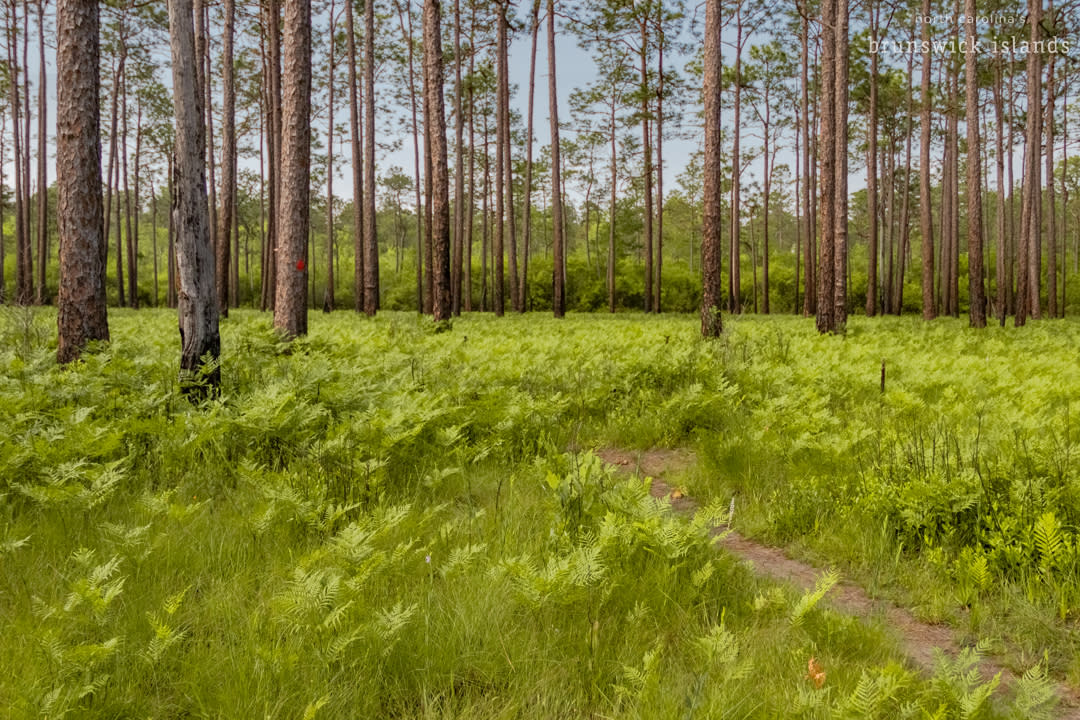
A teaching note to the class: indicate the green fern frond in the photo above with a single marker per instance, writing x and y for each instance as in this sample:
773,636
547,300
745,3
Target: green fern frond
809,600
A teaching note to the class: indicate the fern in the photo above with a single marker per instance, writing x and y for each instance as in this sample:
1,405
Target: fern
1051,543
810,599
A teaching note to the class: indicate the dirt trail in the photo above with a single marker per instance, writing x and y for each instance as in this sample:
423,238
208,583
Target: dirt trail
917,639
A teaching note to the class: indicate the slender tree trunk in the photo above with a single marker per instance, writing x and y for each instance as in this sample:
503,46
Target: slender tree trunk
435,119
467,281
42,156
199,337
810,295
712,286
647,169
27,205
660,164
501,118
23,279
153,241
999,261
735,281
871,170
357,159
328,295
1029,264
558,239
459,172
82,313
526,212
976,293
228,163
611,211
1051,213
290,308
926,219
827,169
173,284
840,211
129,239
371,240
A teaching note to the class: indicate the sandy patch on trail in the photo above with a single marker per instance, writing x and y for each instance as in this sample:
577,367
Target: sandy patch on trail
917,638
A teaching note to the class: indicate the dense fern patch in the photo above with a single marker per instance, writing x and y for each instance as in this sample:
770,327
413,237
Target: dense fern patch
381,521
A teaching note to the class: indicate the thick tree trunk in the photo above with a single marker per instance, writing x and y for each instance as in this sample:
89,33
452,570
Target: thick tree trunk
82,315
558,238
199,338
290,307
712,285
435,119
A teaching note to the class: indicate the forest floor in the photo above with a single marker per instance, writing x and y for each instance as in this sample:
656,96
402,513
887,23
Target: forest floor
918,639
379,520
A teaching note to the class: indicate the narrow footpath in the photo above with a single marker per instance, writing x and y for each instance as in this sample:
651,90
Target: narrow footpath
917,639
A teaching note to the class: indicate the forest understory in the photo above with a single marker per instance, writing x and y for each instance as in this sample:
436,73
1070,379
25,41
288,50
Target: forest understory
382,520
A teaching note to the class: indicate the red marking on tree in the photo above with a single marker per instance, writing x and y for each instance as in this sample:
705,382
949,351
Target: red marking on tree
300,265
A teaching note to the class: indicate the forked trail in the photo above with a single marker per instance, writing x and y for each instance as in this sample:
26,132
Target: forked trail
917,639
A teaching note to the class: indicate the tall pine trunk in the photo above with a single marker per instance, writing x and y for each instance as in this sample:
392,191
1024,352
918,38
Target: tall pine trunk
435,120
290,307
199,337
82,314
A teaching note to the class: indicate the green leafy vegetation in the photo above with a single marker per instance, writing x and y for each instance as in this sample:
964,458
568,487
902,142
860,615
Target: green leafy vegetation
378,520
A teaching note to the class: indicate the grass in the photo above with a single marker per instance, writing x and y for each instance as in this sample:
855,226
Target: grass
381,521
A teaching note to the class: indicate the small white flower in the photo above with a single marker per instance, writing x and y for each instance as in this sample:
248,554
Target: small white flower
427,559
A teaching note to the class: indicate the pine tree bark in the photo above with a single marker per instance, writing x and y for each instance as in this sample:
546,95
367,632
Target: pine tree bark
712,284
810,294
926,218
999,261
290,307
976,291
357,161
328,295
199,337
827,168
228,163
840,210
871,170
526,212
42,156
1051,212
501,120
734,272
459,172
82,314
558,238
371,240
435,119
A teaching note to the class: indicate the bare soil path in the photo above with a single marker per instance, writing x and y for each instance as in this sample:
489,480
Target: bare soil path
917,639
